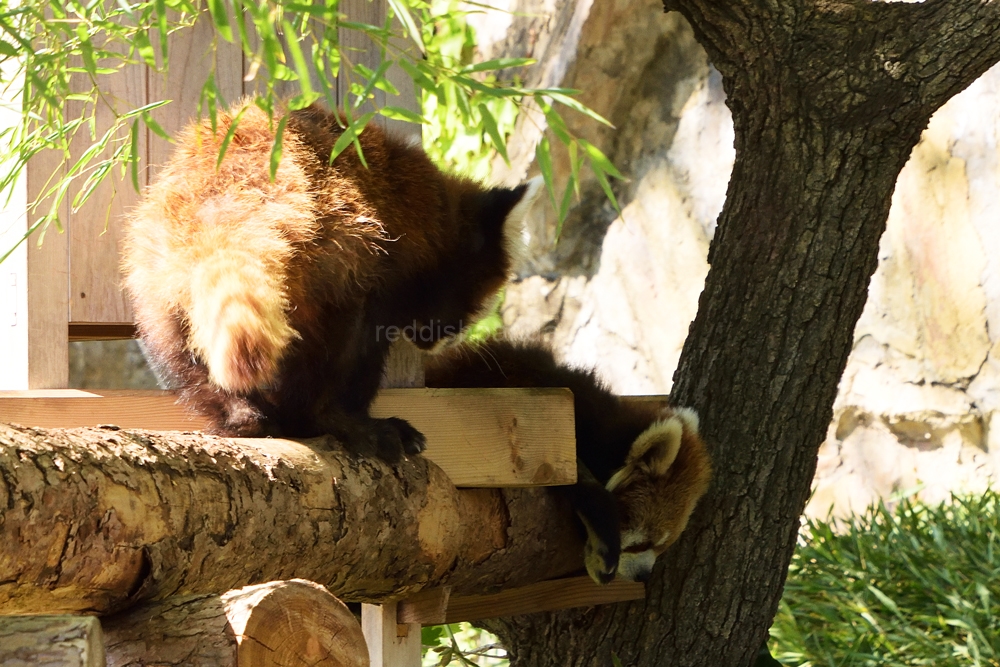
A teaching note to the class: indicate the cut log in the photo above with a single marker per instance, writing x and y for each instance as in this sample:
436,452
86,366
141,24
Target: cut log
99,519
479,437
275,624
51,641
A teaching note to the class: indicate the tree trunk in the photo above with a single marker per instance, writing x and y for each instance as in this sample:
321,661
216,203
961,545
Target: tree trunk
292,622
96,520
828,98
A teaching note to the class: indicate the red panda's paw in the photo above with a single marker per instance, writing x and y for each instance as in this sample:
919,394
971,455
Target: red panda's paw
600,557
396,438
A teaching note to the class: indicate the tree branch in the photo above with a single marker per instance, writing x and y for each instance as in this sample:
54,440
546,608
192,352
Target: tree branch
99,519
953,43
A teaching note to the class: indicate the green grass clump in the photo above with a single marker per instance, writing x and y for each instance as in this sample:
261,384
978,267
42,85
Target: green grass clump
914,585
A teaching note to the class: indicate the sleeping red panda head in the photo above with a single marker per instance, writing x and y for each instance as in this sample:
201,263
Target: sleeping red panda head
666,472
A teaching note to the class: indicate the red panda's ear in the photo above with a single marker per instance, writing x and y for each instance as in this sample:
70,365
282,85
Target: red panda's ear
656,448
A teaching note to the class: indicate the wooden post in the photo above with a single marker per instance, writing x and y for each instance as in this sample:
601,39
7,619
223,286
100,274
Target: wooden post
390,644
51,641
33,322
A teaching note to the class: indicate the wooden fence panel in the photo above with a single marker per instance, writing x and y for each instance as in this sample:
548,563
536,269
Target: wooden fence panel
95,230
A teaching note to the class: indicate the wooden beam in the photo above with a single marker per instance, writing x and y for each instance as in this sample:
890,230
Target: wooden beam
479,437
437,606
101,331
51,641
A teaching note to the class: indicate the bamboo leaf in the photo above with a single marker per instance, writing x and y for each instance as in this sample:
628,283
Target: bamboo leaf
576,105
231,132
147,118
301,68
350,134
133,156
490,124
402,12
217,9
144,48
544,156
278,147
599,158
399,113
498,63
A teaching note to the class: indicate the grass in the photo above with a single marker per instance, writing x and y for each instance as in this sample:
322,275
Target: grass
911,585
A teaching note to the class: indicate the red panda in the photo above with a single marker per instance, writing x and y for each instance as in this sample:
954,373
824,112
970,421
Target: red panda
271,304
642,467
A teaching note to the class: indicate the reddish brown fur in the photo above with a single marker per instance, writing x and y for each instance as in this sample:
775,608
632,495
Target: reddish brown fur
651,496
263,300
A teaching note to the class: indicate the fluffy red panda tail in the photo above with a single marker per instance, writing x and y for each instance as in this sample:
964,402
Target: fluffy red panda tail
237,318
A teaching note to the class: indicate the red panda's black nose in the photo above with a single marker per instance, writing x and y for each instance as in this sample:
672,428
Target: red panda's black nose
643,576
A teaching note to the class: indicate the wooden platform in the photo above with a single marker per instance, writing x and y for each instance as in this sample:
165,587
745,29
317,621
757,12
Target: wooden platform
437,606
479,437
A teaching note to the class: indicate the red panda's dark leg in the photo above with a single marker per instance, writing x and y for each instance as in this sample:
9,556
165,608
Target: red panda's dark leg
598,512
177,366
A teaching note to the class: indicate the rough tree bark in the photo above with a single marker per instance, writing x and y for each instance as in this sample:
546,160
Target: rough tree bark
828,98
97,520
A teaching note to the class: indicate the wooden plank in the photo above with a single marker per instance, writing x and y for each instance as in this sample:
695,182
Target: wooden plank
51,641
96,228
479,437
356,48
552,595
193,53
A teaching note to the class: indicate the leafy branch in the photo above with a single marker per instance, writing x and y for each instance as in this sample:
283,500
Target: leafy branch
56,56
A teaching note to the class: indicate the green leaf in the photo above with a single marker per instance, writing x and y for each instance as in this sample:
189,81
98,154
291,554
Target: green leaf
133,156
350,134
231,132
145,48
301,68
544,156
217,8
567,198
277,148
372,80
602,179
490,124
577,106
402,12
498,63
399,113
160,6
147,118
598,158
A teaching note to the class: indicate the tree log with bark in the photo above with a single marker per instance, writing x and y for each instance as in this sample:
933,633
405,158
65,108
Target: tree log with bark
99,519
828,98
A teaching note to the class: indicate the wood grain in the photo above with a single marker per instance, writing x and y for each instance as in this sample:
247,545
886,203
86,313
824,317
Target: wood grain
390,644
46,283
96,228
51,641
480,437
552,595
293,622
194,53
